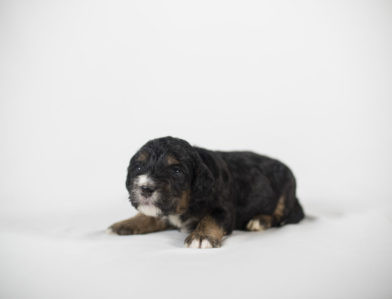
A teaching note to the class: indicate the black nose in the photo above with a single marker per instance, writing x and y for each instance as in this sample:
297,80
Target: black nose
147,190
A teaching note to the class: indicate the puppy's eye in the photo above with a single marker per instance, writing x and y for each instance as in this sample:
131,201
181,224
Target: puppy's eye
177,170
139,169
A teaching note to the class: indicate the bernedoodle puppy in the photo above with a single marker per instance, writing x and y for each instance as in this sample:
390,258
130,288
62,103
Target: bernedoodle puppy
206,193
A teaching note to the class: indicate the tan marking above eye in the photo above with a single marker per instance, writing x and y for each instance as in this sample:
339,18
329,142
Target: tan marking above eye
171,160
142,156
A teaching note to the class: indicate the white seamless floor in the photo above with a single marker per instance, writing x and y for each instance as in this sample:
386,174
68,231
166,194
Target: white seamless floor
338,252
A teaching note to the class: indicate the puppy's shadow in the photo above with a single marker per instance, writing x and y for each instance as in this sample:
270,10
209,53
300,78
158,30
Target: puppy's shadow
176,238
310,218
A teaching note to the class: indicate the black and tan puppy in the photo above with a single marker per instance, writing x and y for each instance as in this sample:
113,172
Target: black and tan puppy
206,193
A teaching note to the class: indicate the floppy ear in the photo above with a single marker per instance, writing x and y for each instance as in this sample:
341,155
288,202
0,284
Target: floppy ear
203,181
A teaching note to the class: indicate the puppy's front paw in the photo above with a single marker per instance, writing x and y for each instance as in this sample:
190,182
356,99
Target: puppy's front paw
121,228
139,224
196,240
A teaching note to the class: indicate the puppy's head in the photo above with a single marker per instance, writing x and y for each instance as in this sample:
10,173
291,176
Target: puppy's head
164,175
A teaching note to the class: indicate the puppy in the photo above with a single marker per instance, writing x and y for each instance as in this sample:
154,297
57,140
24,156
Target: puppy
206,193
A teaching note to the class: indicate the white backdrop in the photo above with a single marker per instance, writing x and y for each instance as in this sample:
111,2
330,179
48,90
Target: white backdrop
83,84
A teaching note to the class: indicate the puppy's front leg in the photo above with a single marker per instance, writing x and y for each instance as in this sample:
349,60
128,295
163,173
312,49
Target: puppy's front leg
139,224
207,234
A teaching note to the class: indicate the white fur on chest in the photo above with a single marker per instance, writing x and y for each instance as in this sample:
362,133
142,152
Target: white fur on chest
175,220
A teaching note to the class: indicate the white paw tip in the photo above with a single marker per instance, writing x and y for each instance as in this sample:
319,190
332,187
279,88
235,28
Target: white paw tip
194,244
109,231
254,225
205,244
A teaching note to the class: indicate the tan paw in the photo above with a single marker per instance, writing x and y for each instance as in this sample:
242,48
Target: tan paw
139,224
123,229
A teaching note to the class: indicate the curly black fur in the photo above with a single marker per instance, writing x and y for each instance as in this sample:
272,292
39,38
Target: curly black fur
230,187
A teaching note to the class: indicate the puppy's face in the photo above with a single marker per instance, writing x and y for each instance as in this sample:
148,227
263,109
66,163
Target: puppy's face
160,177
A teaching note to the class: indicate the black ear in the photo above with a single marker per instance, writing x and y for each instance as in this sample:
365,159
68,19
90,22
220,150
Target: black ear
203,180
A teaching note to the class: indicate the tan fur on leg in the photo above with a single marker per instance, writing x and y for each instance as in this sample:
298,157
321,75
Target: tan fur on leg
139,224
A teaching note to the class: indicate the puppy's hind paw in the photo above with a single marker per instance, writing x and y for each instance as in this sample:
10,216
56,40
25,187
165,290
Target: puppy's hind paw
254,225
